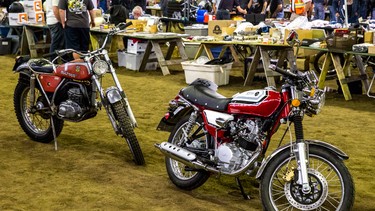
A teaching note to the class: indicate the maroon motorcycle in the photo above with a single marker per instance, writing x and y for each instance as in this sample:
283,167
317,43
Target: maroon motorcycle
47,94
211,133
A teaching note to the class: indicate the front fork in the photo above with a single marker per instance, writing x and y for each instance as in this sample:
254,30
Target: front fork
302,154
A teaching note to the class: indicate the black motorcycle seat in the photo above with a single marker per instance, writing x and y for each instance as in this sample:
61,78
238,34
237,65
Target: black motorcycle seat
206,97
42,69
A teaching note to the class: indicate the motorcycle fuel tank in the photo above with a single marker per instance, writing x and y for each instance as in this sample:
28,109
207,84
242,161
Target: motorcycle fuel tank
73,70
260,102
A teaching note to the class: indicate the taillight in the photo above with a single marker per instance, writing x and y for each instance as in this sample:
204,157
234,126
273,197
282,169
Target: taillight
167,115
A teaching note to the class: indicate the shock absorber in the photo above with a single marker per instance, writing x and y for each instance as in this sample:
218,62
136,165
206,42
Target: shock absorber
191,121
32,90
301,152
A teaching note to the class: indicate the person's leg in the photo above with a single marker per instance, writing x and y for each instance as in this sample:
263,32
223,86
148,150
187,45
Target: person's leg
85,39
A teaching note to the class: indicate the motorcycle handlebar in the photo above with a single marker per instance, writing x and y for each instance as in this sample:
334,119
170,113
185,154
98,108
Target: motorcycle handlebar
283,72
122,26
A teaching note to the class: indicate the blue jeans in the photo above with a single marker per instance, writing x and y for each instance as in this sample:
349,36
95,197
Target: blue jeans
222,15
319,11
280,14
57,37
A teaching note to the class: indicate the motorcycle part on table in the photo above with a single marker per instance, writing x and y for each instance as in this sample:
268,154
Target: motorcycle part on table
47,94
211,133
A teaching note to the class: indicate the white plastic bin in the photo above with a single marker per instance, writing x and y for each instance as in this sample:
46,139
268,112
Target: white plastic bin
133,61
219,74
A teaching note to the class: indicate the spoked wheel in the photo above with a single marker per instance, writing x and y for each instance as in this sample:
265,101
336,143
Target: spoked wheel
330,182
35,120
127,131
181,175
318,64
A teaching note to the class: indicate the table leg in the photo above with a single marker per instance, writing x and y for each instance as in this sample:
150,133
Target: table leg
171,48
362,71
30,41
145,57
266,64
326,64
181,50
160,57
199,52
341,76
253,67
208,52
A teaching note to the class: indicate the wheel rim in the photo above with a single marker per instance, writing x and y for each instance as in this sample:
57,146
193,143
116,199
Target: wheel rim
178,168
34,121
326,185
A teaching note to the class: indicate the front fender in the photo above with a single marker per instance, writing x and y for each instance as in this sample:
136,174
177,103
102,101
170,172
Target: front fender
113,95
342,155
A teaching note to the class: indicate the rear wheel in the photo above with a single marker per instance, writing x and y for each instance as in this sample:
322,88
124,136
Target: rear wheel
127,132
331,184
35,120
181,175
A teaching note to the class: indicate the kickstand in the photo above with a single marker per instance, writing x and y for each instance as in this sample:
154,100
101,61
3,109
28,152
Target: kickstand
245,196
54,133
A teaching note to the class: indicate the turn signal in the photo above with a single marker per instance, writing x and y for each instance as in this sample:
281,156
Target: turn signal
312,92
296,102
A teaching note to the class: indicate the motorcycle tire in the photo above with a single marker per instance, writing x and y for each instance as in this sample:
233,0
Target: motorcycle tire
127,132
318,64
36,125
181,175
331,184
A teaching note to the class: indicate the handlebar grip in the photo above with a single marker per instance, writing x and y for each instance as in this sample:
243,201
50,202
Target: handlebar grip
123,26
282,72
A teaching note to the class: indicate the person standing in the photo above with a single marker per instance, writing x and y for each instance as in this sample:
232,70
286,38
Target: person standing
300,8
257,6
118,12
54,25
74,15
225,7
276,9
319,13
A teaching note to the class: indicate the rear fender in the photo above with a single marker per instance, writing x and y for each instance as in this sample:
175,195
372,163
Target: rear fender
21,63
168,123
336,151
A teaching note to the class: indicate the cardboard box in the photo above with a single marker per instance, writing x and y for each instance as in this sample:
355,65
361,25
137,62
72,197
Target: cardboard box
369,37
36,17
36,6
137,25
215,27
371,49
16,19
305,34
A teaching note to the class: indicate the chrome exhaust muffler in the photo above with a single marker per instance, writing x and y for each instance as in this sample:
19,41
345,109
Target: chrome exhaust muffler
190,159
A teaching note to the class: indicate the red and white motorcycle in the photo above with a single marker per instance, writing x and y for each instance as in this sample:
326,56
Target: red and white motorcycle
211,133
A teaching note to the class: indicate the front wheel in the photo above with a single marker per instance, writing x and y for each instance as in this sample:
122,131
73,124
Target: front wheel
181,175
35,121
331,184
127,132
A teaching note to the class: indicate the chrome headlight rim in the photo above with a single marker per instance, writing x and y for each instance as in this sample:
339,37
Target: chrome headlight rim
100,67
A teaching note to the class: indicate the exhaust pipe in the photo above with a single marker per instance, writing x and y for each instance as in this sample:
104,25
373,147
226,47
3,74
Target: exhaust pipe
190,159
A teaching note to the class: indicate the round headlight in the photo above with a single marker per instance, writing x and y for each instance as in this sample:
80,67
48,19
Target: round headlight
100,67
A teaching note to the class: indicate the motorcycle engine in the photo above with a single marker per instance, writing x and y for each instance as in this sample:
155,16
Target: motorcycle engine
72,108
235,155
